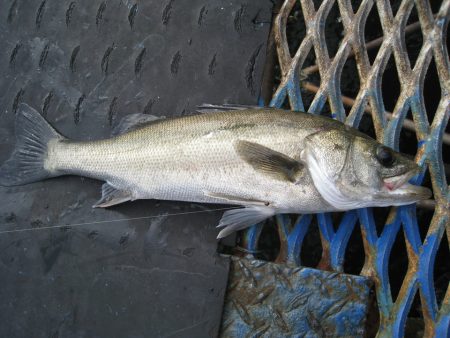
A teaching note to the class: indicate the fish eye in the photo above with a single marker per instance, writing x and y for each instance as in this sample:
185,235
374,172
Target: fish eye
384,156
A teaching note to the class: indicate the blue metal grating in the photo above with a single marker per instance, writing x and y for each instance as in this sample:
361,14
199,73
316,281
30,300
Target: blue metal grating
421,254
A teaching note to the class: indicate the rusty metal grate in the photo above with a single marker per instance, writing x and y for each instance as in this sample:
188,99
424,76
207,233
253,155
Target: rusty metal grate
429,129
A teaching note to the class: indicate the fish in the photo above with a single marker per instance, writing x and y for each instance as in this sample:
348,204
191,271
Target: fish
269,161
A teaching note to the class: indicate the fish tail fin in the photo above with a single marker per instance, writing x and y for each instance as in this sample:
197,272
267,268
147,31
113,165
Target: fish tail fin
26,164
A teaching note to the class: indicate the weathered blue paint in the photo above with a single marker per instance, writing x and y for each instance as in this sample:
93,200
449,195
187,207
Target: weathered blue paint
397,324
368,225
340,240
250,238
443,323
295,97
286,301
278,98
409,219
425,273
326,226
296,237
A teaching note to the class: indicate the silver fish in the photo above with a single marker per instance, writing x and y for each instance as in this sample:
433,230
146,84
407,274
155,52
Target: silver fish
268,160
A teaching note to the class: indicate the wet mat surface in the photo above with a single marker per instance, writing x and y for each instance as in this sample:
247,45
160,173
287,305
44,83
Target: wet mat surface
84,65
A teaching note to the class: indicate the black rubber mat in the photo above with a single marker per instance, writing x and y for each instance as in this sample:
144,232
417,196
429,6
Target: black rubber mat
84,65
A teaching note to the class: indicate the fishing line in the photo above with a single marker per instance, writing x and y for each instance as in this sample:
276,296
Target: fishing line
111,221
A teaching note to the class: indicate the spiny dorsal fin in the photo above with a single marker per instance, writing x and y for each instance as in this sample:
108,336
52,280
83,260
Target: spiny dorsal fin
112,196
270,162
132,122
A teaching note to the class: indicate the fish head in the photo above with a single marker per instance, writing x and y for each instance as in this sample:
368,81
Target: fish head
352,170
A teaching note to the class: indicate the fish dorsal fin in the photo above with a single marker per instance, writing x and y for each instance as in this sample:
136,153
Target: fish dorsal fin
238,219
214,108
270,162
132,122
112,196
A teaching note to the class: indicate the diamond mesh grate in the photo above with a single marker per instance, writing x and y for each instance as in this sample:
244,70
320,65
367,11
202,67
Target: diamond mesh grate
402,221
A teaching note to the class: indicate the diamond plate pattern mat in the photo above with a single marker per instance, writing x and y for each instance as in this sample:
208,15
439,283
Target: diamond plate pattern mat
84,65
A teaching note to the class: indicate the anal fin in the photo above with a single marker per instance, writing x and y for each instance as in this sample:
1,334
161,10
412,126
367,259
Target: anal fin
112,196
238,219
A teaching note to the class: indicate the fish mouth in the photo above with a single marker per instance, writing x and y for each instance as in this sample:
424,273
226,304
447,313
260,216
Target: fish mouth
394,182
398,186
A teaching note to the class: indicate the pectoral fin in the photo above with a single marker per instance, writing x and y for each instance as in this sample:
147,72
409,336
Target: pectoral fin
238,219
112,196
270,162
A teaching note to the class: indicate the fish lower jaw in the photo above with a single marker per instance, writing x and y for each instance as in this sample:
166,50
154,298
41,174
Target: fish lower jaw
397,187
413,193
